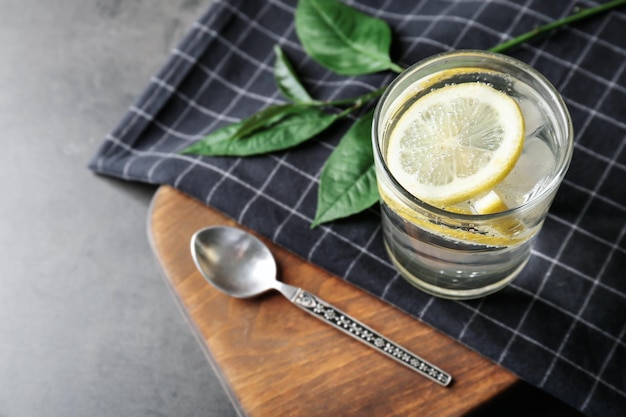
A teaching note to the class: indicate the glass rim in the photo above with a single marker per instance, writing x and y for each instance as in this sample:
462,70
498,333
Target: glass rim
561,112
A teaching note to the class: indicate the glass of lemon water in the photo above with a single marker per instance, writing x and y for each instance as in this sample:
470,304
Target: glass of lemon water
470,148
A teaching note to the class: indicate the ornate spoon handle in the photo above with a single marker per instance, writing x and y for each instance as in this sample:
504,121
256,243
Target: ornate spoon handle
340,320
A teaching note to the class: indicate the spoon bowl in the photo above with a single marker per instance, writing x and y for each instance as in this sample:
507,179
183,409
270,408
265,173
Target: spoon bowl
234,261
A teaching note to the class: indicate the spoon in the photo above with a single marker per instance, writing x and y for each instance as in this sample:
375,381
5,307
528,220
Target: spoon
240,265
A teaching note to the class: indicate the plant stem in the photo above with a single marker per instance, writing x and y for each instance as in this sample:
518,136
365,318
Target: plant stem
396,68
557,24
357,100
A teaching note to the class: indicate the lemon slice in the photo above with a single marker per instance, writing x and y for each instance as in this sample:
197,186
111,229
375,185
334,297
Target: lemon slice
491,203
488,204
456,142
499,234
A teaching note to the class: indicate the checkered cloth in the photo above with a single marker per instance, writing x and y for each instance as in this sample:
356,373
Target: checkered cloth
562,324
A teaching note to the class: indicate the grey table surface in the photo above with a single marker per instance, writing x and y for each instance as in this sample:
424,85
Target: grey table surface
87,325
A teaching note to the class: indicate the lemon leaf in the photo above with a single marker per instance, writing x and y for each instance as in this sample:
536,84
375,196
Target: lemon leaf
342,38
287,80
287,129
265,118
203,147
348,181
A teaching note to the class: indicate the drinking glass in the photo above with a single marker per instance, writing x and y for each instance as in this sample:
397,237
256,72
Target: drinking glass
453,253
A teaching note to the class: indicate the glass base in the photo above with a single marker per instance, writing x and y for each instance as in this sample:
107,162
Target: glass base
450,293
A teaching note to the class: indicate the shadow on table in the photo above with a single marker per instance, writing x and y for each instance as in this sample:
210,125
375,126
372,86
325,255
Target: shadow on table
523,400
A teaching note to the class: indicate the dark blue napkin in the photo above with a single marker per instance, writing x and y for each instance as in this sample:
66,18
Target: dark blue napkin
561,325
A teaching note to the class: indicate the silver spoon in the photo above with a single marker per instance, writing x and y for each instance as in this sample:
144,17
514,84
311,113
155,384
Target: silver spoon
240,265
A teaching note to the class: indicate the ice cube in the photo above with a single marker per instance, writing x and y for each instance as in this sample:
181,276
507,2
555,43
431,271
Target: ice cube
527,177
533,116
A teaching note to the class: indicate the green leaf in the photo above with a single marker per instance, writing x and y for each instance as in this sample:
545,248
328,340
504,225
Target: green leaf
287,80
265,118
290,130
343,39
203,147
348,181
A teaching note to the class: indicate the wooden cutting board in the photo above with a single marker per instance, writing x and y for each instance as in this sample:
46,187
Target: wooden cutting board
279,361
